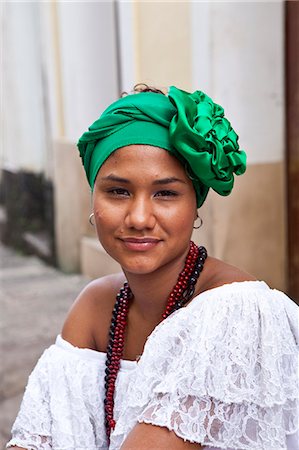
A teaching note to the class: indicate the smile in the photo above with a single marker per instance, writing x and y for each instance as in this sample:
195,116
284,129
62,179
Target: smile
140,244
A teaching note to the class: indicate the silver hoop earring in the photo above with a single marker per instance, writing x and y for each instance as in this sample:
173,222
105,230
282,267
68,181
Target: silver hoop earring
90,219
200,223
187,171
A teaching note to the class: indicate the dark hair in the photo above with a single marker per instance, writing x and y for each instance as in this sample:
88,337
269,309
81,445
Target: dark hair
142,87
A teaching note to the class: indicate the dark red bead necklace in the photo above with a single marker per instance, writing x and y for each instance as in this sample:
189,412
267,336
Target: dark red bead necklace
179,296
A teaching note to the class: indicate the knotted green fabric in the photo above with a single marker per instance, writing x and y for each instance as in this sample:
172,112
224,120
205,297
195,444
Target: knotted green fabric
190,126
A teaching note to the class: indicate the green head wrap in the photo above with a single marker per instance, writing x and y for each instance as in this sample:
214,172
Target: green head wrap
190,126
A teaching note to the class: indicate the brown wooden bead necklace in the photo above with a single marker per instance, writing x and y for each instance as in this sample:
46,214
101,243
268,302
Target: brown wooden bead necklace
179,296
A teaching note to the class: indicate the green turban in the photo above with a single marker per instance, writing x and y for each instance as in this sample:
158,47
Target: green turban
190,126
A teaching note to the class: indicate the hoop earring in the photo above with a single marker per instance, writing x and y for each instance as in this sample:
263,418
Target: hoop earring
90,219
200,223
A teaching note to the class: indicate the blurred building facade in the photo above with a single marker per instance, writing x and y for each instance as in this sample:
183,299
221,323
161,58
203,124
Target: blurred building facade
64,62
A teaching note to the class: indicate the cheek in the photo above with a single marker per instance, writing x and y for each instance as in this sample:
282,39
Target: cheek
102,210
108,219
181,219
185,224
100,214
103,219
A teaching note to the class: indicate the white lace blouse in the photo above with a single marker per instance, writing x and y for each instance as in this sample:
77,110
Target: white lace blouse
222,372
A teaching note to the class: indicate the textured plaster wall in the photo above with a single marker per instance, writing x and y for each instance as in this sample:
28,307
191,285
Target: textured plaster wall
23,131
247,229
72,205
238,57
162,43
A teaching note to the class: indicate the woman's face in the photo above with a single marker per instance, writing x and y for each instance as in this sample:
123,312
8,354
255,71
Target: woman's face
144,207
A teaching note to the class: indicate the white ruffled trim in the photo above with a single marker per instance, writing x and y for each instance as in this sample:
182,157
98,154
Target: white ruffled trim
89,354
223,371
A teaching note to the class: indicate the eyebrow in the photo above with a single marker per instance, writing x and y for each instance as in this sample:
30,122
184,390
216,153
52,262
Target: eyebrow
167,180
115,179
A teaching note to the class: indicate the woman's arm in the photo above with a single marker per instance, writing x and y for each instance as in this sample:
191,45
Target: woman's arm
146,437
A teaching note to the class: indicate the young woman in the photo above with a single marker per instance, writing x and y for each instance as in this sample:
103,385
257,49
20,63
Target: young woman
181,351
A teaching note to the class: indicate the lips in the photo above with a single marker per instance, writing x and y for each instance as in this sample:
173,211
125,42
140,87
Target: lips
140,244
140,240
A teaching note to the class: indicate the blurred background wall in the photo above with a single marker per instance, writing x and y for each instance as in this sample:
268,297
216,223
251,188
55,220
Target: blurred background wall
64,62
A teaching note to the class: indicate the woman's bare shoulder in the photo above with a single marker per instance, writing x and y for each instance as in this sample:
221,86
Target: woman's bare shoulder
218,273
88,320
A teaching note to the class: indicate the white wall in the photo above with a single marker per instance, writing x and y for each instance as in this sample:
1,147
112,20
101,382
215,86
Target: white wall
88,62
59,72
238,59
127,45
23,132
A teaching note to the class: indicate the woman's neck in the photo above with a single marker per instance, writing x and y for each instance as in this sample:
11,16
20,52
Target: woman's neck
151,291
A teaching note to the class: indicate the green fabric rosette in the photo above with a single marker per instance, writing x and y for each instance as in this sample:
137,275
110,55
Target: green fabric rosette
190,126
204,138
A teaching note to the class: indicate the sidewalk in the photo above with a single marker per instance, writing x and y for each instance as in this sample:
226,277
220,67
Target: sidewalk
34,300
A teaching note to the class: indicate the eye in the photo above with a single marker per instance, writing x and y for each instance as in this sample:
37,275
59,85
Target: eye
166,194
118,192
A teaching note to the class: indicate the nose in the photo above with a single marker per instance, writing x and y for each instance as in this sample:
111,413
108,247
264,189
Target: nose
140,214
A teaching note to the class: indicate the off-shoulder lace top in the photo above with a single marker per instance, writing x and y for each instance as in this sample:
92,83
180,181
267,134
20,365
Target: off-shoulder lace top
221,372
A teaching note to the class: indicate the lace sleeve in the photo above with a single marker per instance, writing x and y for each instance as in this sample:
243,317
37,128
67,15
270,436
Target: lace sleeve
62,406
221,373
32,427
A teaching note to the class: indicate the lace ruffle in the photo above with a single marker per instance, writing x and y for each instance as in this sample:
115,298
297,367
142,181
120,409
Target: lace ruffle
222,372
62,405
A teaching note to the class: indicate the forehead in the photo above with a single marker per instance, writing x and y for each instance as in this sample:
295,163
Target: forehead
144,159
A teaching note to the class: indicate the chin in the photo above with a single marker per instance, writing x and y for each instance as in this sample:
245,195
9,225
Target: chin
140,267
138,271
142,263
134,262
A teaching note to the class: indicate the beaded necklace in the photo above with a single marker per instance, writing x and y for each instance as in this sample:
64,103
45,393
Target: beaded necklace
179,296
